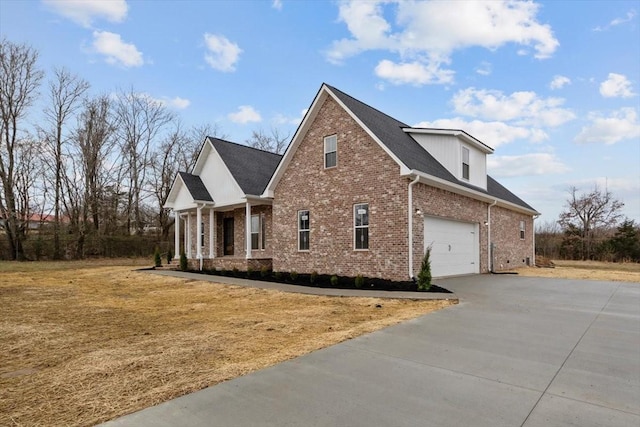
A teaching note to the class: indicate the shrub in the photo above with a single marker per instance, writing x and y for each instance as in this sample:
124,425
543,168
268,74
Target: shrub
293,275
223,272
169,256
334,280
235,271
277,275
249,272
156,258
264,272
424,276
359,282
184,265
313,277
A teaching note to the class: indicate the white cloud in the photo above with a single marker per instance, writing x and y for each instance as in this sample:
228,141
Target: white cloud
559,82
484,69
277,4
414,73
493,134
429,32
84,12
282,119
116,51
222,54
525,165
616,86
245,114
617,21
620,125
177,103
526,108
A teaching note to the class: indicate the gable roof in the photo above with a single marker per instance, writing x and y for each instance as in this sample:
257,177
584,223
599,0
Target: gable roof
392,133
196,187
251,168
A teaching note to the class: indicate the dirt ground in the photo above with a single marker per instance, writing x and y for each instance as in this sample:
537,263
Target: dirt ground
82,343
587,270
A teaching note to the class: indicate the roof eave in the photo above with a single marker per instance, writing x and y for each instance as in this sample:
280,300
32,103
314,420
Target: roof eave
453,132
459,189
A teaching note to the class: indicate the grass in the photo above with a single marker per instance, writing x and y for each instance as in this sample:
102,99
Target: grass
85,342
587,270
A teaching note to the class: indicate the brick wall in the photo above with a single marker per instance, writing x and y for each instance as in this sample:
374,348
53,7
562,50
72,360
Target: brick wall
509,250
364,174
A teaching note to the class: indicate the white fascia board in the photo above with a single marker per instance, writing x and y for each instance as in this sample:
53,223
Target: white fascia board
453,132
295,142
170,202
468,192
206,147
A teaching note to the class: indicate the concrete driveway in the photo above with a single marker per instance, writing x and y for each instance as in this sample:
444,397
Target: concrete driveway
516,351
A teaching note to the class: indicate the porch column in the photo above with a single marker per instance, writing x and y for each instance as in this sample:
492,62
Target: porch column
188,231
211,233
247,223
199,241
176,235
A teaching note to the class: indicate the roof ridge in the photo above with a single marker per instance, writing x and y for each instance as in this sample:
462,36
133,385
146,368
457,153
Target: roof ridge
365,104
243,145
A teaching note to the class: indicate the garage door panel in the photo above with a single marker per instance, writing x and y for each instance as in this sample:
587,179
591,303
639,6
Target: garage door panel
454,246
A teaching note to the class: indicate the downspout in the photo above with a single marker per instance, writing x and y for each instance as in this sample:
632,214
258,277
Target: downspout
411,226
533,232
489,263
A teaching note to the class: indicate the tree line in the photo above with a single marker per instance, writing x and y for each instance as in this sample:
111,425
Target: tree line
94,167
591,227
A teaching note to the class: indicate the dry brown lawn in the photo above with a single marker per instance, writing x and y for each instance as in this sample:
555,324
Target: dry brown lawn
587,270
82,343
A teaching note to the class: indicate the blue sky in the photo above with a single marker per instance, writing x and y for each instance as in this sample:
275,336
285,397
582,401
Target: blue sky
552,86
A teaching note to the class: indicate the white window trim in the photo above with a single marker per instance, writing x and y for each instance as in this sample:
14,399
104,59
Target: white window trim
360,226
261,232
303,229
468,163
202,234
325,152
523,228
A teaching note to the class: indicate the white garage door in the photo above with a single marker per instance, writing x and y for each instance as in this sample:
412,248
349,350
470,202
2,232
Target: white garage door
454,246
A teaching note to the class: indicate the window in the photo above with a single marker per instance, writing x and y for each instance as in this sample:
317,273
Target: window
465,163
303,230
330,151
522,230
361,225
258,231
202,234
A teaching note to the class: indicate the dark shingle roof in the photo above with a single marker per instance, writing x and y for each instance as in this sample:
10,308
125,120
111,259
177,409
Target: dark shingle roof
251,168
408,151
196,187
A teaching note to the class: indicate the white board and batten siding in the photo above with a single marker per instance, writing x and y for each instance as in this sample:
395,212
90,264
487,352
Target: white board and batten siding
455,246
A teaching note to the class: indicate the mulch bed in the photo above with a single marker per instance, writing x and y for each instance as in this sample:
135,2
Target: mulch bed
324,281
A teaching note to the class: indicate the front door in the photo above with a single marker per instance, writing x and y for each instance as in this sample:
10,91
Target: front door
228,236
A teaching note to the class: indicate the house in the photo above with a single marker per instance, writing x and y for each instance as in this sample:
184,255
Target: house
356,192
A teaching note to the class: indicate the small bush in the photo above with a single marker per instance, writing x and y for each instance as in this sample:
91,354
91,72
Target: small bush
264,272
334,280
249,272
169,256
359,282
223,272
157,259
313,277
184,264
424,276
293,275
277,275
235,271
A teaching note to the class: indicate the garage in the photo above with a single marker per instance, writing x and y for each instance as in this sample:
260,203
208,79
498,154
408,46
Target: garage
454,246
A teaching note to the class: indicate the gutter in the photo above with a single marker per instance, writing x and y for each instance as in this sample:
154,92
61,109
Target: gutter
410,213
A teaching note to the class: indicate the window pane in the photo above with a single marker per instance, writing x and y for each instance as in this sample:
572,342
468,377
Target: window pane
465,171
330,144
361,215
465,155
362,238
304,241
264,232
255,223
330,159
254,240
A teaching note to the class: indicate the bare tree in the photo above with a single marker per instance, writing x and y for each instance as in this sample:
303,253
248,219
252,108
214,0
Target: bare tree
590,213
275,142
65,93
193,143
140,120
19,82
548,239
